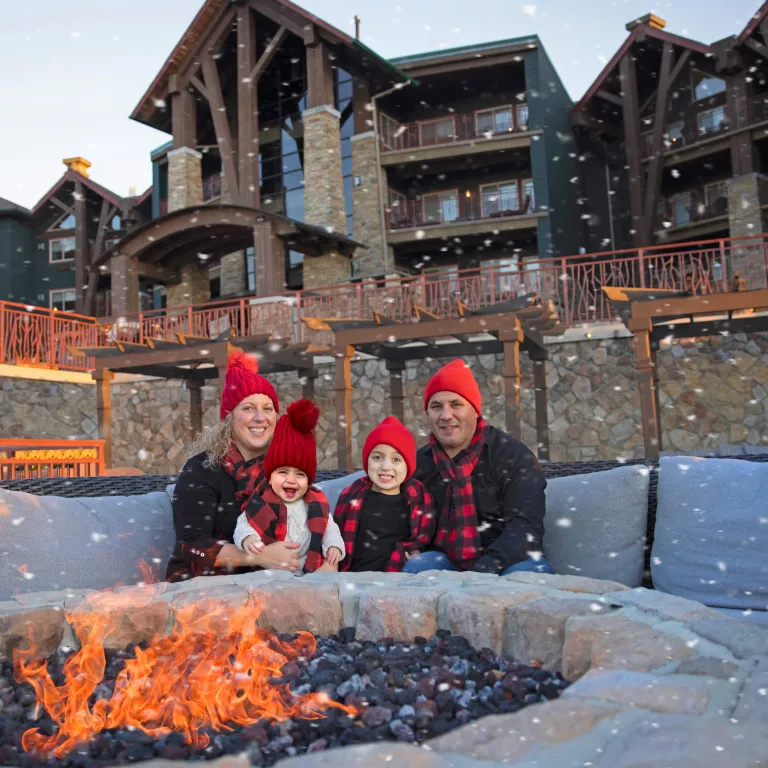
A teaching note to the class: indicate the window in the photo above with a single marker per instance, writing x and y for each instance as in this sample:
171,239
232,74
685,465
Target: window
441,207
711,120
500,199
714,195
61,249
438,131
522,117
675,133
115,223
494,121
391,133
66,221
63,300
681,209
705,85
528,195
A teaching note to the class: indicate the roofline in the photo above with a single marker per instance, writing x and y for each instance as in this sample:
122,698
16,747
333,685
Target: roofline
495,46
14,209
641,30
162,150
759,15
70,175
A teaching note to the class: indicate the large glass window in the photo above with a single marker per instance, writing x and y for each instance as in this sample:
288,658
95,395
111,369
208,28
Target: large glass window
522,117
501,198
438,131
713,193
61,249
67,221
441,207
63,300
705,85
528,194
711,120
681,209
495,121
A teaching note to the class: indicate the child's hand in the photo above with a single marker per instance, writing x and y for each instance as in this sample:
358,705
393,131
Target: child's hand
409,555
253,545
334,556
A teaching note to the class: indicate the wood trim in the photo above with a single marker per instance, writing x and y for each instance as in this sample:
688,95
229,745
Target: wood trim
247,109
269,53
183,119
206,43
319,76
68,209
201,89
221,125
612,97
81,245
631,117
279,16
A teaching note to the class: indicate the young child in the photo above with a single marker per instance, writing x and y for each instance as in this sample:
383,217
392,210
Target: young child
388,516
290,509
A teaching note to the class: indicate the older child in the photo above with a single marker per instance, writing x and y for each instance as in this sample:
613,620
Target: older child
387,516
290,509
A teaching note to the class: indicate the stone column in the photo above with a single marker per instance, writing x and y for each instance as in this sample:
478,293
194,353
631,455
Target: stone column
124,274
539,358
324,192
745,218
185,188
234,280
343,398
378,259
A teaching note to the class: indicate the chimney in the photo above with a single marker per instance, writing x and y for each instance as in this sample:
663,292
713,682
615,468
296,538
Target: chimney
357,27
131,191
78,164
651,19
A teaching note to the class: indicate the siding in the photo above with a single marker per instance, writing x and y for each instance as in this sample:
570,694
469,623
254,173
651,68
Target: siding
17,261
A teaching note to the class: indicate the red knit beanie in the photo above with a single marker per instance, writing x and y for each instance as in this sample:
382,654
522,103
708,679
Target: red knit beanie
242,381
394,433
293,444
455,377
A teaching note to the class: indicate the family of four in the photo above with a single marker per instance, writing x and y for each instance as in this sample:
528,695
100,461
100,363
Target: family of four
473,499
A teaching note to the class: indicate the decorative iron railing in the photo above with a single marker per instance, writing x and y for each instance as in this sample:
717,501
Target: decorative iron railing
24,459
455,210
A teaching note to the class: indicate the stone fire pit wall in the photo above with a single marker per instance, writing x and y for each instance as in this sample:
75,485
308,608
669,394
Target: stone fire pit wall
657,680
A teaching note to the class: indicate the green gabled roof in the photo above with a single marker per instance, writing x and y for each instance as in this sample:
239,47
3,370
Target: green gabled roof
532,40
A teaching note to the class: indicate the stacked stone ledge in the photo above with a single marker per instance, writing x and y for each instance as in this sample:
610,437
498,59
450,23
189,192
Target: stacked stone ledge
649,671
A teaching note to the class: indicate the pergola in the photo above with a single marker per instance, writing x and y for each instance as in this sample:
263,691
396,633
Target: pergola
195,360
503,327
653,315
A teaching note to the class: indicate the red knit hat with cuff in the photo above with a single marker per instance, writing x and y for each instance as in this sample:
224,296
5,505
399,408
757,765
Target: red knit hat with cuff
394,433
242,381
455,377
293,444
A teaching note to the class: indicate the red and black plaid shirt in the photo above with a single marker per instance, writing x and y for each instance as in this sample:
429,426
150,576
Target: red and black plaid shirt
268,516
457,527
421,508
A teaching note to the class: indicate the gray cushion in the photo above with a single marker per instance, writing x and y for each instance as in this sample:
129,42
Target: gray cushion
711,537
86,543
333,488
595,524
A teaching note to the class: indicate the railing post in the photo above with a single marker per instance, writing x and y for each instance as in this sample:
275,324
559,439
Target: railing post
723,268
641,263
141,327
243,324
564,280
2,332
424,291
492,278
189,320
52,337
299,323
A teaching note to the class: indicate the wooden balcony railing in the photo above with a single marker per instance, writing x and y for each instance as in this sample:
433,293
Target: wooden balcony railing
40,337
455,210
24,459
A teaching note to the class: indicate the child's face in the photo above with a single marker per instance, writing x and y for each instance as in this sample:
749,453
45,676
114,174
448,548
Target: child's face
386,469
288,483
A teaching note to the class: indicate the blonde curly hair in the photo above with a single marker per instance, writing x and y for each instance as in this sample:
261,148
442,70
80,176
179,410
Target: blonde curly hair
214,441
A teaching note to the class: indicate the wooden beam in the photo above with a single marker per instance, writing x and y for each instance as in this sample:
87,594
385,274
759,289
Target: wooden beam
207,42
269,53
653,185
539,358
104,411
183,119
195,407
612,97
105,216
247,110
343,397
645,375
631,117
396,370
758,48
158,274
89,300
319,76
64,207
221,125
201,89
276,11
82,258
512,376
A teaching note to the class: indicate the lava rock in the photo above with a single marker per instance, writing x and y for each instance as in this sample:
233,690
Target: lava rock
375,716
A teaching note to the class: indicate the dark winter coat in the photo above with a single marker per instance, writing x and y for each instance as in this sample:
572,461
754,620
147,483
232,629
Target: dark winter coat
508,490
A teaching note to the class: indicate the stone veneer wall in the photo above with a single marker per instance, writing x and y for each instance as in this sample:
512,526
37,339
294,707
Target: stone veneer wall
713,391
745,219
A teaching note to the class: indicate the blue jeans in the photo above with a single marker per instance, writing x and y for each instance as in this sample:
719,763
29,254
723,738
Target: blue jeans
439,561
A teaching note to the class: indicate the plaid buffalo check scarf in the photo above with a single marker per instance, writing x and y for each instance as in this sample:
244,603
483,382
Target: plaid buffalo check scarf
421,507
248,475
268,516
457,528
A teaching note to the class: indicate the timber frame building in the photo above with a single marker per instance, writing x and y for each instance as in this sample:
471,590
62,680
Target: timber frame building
679,129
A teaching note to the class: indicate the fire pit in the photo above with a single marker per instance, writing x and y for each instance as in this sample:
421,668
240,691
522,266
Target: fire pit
272,666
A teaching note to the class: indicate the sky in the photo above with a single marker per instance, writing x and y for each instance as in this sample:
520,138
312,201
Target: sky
71,71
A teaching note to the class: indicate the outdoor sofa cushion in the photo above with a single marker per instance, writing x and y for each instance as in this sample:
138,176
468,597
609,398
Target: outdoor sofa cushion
50,542
595,524
711,536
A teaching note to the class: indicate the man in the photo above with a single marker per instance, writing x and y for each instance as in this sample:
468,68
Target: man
488,487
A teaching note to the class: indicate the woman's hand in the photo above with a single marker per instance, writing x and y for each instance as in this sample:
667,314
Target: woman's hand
278,556
333,556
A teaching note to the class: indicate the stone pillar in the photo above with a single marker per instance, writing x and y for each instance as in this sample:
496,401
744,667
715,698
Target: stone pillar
377,260
185,178
343,398
539,358
234,280
124,275
745,219
324,192
396,370
185,188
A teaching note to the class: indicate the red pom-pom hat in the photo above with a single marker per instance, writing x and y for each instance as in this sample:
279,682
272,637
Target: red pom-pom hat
293,444
243,380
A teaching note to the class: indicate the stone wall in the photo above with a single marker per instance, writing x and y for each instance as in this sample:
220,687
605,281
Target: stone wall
713,391
185,178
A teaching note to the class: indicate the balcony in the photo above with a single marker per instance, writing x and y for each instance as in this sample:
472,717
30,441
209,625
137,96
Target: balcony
709,124
211,187
697,212
447,214
451,135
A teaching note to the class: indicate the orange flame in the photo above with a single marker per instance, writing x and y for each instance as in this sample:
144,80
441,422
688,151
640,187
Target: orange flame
214,670
23,568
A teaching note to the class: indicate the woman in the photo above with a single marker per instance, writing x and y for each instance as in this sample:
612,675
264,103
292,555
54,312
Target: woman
213,484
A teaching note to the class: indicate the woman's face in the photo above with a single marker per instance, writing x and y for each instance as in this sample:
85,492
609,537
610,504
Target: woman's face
386,469
254,424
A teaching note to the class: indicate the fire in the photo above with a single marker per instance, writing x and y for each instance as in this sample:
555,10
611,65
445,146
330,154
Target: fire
215,670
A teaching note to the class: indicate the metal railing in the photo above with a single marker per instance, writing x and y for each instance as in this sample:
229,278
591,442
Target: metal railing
455,210
704,126
451,128
40,337
24,459
212,187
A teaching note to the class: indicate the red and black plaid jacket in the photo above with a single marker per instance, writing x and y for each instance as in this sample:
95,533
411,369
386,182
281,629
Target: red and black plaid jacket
268,516
421,508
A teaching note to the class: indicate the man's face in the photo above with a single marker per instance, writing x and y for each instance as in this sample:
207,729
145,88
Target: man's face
452,420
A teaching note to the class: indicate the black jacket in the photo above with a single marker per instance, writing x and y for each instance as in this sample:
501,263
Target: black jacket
205,513
508,488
